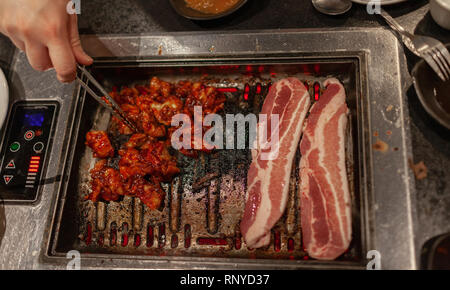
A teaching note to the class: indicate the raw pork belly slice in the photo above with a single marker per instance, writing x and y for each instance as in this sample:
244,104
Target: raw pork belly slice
268,180
325,199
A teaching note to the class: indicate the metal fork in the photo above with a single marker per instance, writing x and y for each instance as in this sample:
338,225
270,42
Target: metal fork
428,48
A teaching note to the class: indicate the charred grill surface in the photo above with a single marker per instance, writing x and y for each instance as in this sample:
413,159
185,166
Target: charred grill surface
201,213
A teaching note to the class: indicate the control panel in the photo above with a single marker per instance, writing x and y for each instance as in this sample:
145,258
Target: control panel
24,151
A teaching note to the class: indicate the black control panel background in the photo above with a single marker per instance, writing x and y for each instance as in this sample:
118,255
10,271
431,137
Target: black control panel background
23,156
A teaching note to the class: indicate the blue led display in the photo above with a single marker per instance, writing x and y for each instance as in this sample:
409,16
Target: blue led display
35,119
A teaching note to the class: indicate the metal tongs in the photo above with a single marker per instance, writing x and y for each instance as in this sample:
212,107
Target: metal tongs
107,101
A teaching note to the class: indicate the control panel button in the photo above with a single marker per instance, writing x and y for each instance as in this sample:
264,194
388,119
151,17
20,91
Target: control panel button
14,147
7,178
29,135
23,155
38,147
11,165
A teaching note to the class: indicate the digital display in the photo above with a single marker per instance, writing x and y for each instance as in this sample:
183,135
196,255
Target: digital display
24,150
33,119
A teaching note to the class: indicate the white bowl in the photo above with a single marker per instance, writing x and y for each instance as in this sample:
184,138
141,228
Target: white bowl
440,11
4,98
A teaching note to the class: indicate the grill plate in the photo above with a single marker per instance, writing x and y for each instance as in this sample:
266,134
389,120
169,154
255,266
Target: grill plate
203,223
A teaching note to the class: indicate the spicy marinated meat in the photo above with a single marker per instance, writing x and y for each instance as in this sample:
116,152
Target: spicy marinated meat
144,119
163,111
149,192
159,89
197,143
125,96
106,183
145,159
211,100
142,155
153,107
136,141
99,142
150,126
153,159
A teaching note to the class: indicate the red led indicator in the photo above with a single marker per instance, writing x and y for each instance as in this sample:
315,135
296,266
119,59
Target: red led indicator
162,236
11,165
187,236
124,240
137,240
290,245
277,243
227,90
29,135
258,88
316,91
101,240
88,239
246,91
150,236
317,68
212,241
238,243
7,178
34,164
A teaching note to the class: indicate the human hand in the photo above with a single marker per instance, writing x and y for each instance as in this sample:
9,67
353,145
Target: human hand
46,33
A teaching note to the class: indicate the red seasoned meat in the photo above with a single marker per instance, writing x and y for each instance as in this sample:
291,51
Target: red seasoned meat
325,199
268,180
99,142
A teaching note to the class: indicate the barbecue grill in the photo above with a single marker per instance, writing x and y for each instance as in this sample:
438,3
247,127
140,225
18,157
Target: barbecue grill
198,227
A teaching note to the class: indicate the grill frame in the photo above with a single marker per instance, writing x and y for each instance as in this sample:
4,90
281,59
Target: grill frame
290,60
393,209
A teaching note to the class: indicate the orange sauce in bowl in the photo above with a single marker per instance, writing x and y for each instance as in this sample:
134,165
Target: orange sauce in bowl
211,6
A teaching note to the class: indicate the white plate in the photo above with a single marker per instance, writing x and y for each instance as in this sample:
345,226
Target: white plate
382,2
4,98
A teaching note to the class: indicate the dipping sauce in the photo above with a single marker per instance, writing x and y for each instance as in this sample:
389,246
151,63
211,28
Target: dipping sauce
442,94
211,6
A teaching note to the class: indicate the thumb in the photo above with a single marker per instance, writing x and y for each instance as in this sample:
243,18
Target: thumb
80,56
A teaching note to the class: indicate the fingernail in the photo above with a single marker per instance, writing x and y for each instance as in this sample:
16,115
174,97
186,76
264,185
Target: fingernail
63,80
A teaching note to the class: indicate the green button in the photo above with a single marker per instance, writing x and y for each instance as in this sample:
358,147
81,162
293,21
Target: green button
15,147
